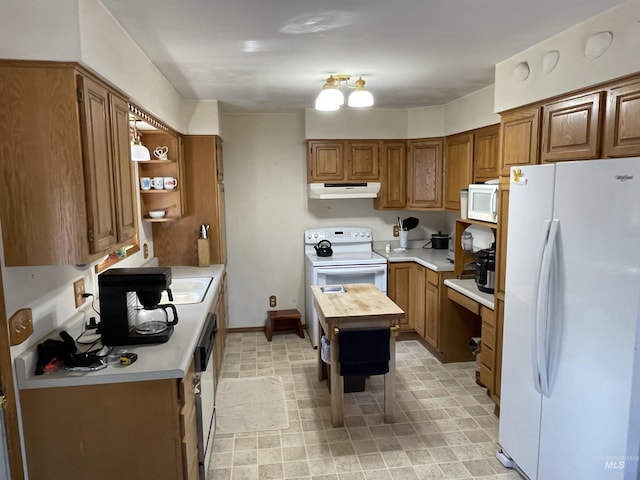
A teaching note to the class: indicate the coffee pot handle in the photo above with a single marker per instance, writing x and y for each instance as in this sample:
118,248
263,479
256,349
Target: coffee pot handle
173,309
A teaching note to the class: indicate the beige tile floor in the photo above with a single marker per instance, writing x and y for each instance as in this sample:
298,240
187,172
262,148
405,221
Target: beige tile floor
444,429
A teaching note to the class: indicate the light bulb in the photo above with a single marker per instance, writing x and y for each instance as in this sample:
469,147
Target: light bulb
360,98
329,100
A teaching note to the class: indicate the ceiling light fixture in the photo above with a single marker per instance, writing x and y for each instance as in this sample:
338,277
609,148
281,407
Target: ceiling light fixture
139,153
331,98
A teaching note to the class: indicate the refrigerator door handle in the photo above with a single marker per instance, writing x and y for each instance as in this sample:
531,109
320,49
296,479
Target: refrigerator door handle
546,287
535,308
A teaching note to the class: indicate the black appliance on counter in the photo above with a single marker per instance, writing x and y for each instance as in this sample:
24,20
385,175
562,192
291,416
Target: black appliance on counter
486,269
130,309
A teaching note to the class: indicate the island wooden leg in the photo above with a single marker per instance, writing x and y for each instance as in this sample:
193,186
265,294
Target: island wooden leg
390,383
337,388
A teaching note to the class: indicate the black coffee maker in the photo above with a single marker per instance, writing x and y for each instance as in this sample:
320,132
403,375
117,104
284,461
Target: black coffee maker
486,269
130,309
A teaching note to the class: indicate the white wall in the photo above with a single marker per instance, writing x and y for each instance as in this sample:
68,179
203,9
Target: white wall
426,122
355,123
471,111
268,210
36,30
574,70
108,49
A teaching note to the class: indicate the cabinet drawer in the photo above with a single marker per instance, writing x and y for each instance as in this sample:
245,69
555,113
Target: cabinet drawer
486,376
187,418
194,470
464,301
432,277
487,357
488,335
189,443
185,387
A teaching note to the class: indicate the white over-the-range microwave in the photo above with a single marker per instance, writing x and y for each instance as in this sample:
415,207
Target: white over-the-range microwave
483,202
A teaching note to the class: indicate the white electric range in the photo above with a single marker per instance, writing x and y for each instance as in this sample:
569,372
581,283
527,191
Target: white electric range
352,261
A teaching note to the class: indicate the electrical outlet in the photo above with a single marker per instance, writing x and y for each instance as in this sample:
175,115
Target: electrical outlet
78,290
396,231
272,301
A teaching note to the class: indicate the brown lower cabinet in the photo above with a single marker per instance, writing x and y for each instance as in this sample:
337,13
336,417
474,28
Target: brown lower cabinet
142,430
221,310
444,326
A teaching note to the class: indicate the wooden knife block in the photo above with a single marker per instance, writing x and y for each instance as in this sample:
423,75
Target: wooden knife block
204,253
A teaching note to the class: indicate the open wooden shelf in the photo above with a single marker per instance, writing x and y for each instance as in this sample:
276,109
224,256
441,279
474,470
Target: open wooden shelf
462,257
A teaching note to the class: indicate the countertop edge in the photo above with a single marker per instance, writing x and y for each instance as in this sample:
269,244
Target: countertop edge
468,288
435,260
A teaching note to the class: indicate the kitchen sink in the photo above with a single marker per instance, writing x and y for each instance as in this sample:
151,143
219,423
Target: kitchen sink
187,290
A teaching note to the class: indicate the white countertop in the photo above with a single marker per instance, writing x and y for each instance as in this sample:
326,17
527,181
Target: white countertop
427,257
469,288
155,362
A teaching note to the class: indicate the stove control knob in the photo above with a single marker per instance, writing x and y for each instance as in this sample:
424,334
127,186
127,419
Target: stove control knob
315,235
368,234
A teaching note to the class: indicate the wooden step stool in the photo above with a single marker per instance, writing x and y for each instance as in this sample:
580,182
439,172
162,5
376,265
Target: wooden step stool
279,320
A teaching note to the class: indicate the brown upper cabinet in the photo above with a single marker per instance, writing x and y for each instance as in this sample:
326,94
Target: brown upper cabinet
622,123
362,161
519,131
570,128
343,161
485,153
458,168
393,165
68,193
325,161
424,174
470,157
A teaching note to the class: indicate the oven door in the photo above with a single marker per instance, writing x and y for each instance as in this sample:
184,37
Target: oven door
375,274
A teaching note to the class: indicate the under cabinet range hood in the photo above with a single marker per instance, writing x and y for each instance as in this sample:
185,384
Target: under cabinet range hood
328,191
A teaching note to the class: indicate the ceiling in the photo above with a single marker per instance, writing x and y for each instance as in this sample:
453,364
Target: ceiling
274,55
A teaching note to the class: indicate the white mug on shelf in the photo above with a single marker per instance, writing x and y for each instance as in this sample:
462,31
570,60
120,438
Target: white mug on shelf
170,183
145,183
157,183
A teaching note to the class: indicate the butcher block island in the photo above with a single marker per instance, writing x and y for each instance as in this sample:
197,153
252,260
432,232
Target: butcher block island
358,309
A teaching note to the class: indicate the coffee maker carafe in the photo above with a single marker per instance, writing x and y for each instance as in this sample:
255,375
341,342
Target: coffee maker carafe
130,309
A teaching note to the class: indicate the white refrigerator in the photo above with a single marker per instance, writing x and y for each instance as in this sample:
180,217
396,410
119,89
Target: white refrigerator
570,398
